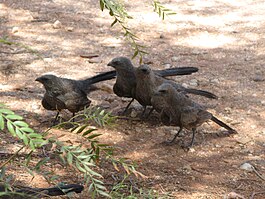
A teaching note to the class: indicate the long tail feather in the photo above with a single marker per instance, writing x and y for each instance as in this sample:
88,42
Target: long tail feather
222,124
176,71
202,93
100,77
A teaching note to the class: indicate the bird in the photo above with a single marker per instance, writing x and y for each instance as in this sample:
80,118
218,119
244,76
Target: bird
147,82
63,93
177,109
126,79
21,192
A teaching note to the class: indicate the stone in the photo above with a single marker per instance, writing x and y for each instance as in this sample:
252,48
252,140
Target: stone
258,78
247,167
134,113
167,65
15,29
215,81
184,85
174,59
57,24
193,82
70,29
95,60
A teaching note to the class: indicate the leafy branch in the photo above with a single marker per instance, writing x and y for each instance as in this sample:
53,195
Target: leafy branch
162,10
120,15
18,128
95,114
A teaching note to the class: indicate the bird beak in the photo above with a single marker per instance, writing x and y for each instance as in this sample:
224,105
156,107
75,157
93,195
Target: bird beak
38,79
110,64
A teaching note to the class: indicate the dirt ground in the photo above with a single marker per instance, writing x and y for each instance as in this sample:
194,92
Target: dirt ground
224,39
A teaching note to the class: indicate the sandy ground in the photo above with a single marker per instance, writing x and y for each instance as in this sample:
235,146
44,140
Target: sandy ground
224,39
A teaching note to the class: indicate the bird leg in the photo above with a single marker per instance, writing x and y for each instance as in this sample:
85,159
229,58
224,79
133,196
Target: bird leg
150,112
127,107
177,134
56,117
142,115
73,120
193,136
187,148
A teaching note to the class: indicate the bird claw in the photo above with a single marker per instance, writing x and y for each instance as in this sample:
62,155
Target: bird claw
168,143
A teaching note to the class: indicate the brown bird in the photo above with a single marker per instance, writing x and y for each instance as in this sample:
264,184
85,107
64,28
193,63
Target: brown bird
147,82
177,109
126,78
63,93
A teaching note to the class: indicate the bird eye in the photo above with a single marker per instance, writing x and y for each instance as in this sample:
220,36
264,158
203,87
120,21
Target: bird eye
162,91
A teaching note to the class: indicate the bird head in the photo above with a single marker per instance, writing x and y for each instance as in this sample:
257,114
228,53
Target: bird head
164,90
144,69
121,63
47,80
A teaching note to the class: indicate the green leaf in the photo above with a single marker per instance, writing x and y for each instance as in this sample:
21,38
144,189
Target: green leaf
19,133
81,129
14,117
20,123
28,130
25,139
135,54
31,144
41,162
34,135
6,111
10,128
103,193
88,131
79,167
69,158
114,22
93,136
2,122
91,171
74,128
100,186
102,5
91,187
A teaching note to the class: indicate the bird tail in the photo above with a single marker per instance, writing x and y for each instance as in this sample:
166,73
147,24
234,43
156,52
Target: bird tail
53,191
176,71
222,124
100,77
202,93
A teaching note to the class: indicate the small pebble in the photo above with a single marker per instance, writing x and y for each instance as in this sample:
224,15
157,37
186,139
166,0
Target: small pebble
70,29
246,166
194,82
185,85
57,24
258,78
133,113
167,66
95,60
14,29
216,81
174,59
162,36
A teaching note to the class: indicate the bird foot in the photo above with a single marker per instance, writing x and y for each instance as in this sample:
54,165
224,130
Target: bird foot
168,143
